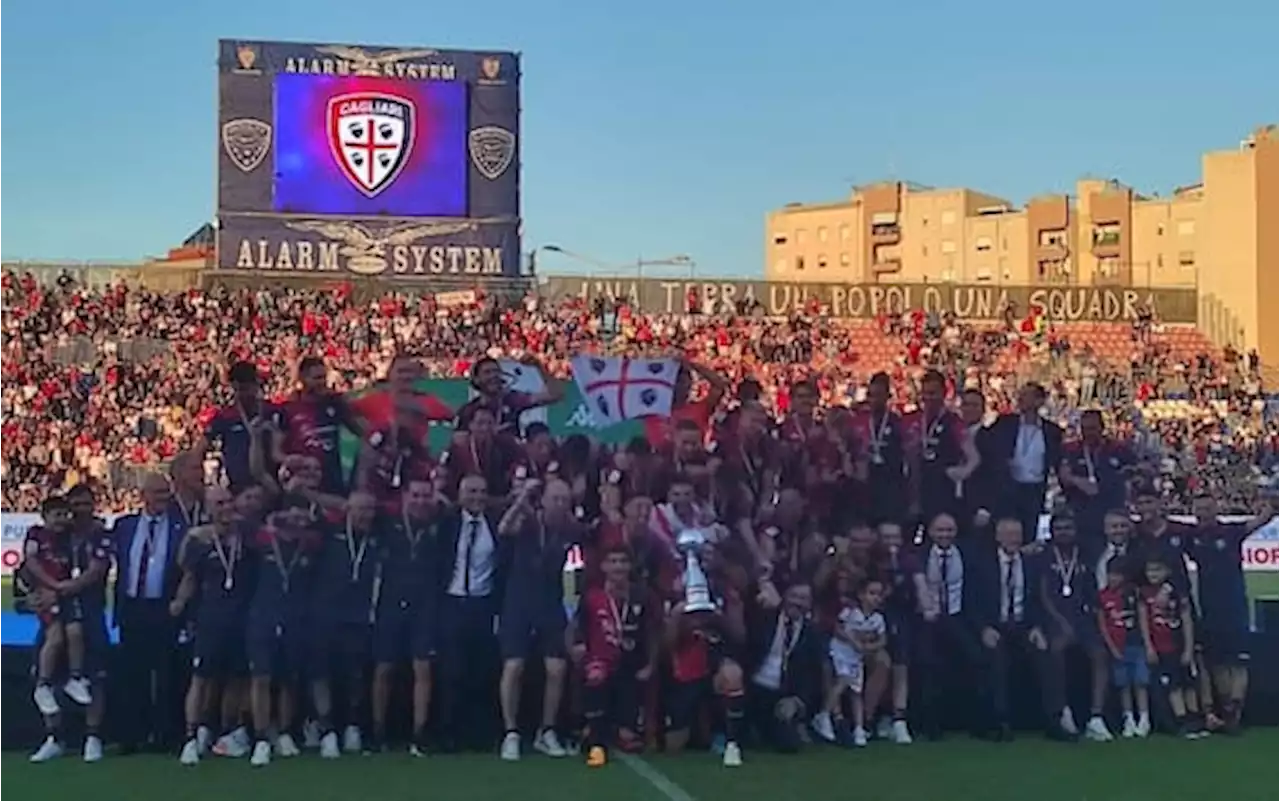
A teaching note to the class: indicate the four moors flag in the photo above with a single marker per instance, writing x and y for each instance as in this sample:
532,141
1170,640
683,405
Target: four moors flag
617,388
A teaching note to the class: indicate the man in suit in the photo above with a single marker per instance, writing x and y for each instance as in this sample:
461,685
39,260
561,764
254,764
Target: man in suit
947,646
473,568
1025,447
784,659
146,550
980,490
1005,610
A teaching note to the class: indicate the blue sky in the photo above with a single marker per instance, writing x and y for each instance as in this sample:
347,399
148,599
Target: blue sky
649,128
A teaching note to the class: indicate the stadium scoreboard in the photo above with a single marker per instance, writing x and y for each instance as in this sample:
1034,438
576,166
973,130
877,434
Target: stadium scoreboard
368,161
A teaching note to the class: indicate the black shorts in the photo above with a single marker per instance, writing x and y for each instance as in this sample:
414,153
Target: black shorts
403,632
1224,645
682,700
898,637
277,650
218,649
527,627
1171,674
339,648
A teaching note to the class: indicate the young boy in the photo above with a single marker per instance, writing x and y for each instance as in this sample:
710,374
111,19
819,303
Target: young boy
1118,622
611,637
859,633
1165,618
51,564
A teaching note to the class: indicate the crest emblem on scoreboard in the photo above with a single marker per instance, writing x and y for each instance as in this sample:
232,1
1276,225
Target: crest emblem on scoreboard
371,137
492,150
246,142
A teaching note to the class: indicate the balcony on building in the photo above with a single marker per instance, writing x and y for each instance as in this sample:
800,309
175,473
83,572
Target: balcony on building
1106,241
886,267
885,229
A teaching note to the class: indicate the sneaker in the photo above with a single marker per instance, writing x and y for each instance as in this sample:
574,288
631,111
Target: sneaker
49,749
1144,725
1130,727
859,737
203,735
547,742
884,729
261,754
234,744
901,734
190,753
329,746
596,757
732,755
1097,731
510,747
92,748
45,700
286,747
77,690
311,734
1068,722
351,740
824,727
416,750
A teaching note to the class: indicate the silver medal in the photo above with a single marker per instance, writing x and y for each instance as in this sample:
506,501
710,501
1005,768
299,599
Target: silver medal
1066,590
227,584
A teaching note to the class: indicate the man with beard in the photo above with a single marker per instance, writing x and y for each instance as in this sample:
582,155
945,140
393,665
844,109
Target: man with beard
533,619
506,405
613,639
484,451
1025,447
942,453
396,450
276,636
404,628
340,620
882,459
91,549
785,653
311,423
232,426
1224,624
1068,597
1094,475
704,648
979,490
215,570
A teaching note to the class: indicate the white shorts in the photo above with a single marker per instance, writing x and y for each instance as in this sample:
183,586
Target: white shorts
848,671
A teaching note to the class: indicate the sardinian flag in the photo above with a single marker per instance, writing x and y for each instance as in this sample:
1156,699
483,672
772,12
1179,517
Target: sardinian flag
617,388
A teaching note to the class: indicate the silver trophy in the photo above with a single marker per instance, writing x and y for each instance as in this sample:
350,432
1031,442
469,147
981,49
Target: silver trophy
697,591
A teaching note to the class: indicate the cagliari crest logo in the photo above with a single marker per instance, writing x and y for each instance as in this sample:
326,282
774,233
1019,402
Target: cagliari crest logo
492,150
371,136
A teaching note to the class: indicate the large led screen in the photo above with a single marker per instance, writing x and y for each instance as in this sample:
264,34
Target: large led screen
376,146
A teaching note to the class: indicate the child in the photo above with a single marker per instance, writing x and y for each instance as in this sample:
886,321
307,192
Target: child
50,564
1118,622
859,632
1167,629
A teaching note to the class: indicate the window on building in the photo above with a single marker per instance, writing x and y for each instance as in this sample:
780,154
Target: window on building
982,244
1109,267
822,233
780,265
845,260
1186,227
1187,258
1107,234
982,276
948,246
801,236
924,250
779,239
822,260
1159,229
948,274
1053,238
844,233
948,217
799,263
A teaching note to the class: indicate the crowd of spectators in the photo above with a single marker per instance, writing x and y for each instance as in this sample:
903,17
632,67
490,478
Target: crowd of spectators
101,384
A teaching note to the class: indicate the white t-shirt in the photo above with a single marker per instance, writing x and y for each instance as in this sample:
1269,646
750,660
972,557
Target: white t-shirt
859,626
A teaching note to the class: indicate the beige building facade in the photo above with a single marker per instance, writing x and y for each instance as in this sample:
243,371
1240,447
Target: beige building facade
1219,236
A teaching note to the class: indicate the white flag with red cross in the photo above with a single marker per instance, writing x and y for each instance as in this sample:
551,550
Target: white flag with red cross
617,388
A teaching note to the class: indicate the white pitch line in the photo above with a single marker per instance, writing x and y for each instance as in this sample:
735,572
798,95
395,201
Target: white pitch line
655,777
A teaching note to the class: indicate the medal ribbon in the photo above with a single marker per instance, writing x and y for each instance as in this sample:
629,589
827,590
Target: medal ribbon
356,555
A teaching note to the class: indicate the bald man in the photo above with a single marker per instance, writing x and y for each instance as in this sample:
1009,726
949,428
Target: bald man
543,529
146,551
215,571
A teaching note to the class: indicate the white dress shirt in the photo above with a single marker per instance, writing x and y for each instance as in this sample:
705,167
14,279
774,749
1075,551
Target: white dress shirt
1018,590
769,675
1027,465
952,584
474,559
152,532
